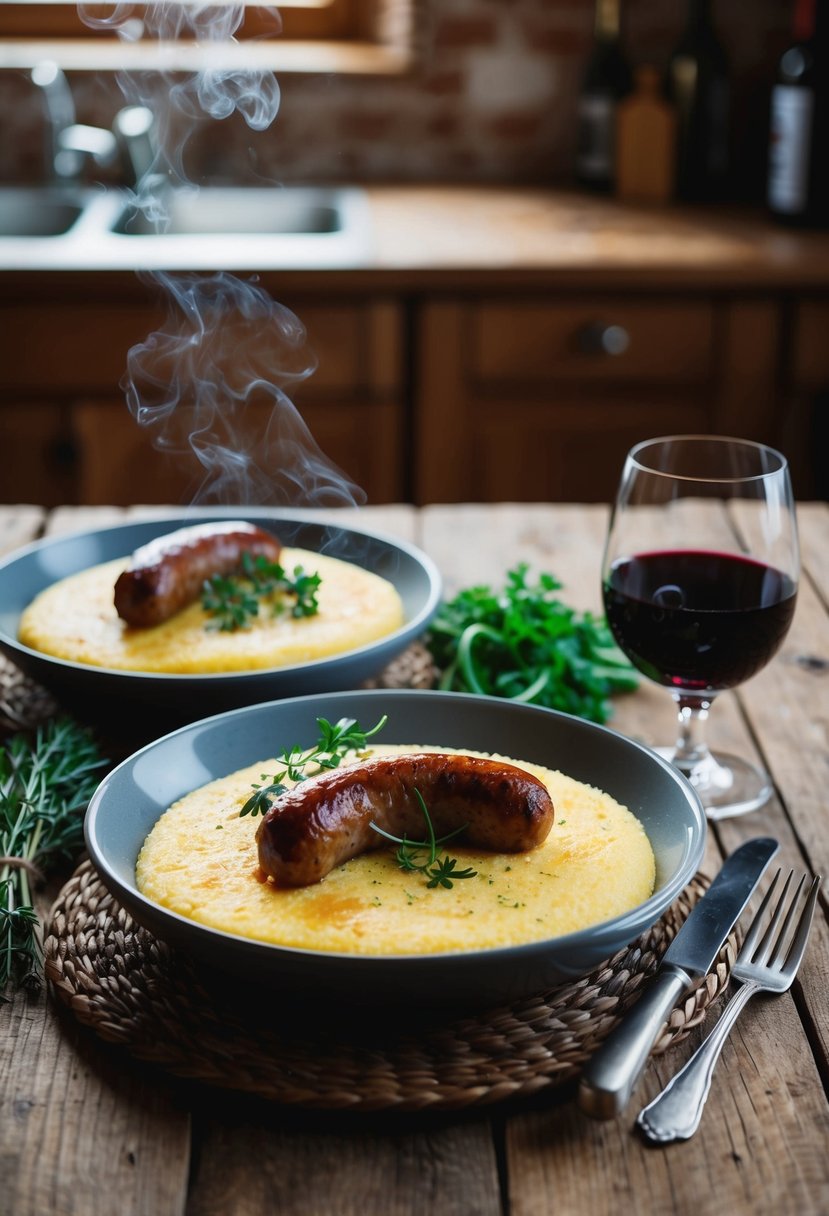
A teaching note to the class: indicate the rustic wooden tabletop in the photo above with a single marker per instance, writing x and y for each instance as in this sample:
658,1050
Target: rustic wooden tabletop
86,1129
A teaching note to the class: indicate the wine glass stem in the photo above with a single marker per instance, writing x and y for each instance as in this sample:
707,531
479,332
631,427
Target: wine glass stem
691,749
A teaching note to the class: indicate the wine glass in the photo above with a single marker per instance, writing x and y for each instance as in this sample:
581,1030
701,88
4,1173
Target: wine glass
699,579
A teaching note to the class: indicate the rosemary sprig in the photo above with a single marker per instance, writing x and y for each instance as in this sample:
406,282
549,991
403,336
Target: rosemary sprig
234,600
440,869
335,740
45,783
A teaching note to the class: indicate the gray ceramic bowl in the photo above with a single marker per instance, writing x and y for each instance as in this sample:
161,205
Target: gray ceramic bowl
134,795
171,699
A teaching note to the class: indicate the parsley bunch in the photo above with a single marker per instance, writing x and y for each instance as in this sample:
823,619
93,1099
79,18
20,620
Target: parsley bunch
233,600
524,644
335,740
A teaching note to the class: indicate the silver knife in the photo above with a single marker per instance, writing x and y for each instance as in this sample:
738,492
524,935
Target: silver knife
609,1077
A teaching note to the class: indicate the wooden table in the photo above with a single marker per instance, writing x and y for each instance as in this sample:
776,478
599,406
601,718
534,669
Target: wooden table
85,1129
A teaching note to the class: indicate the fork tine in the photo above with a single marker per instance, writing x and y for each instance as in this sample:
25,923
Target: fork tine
756,926
801,936
770,936
783,943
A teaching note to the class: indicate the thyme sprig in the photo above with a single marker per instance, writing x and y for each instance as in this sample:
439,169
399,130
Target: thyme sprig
233,601
335,740
440,869
45,783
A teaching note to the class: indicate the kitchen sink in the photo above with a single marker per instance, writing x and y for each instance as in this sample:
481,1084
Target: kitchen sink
37,211
212,228
218,210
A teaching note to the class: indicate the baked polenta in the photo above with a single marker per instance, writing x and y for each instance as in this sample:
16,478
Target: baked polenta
75,619
201,861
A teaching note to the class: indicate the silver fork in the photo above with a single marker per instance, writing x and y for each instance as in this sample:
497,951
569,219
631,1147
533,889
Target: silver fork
767,962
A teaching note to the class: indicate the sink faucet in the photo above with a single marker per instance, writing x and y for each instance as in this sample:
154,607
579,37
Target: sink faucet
70,142
60,113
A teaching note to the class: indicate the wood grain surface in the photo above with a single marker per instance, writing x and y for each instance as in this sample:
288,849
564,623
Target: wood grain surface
86,1130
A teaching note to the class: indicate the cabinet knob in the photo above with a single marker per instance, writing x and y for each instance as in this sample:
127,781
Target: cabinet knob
64,452
600,339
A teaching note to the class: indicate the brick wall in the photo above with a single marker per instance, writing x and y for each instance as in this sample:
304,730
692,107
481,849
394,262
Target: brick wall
491,98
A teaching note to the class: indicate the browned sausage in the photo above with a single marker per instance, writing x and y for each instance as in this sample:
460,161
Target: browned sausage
325,820
169,572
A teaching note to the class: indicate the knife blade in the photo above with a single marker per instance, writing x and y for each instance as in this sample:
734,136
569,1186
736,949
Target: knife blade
610,1076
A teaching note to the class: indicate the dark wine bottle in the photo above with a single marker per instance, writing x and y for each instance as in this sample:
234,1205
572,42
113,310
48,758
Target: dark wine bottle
698,87
607,78
798,171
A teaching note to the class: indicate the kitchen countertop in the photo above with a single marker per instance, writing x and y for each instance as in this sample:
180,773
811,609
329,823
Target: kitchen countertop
86,1129
446,237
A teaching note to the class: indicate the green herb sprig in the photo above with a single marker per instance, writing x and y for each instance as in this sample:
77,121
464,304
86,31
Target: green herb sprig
233,601
45,783
524,644
440,869
335,740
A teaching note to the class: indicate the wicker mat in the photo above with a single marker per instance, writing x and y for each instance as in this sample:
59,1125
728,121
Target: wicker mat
134,990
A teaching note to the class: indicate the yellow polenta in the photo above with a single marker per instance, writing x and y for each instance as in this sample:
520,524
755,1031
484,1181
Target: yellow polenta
200,860
76,619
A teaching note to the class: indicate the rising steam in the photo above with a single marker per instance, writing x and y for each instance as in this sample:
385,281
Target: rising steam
211,384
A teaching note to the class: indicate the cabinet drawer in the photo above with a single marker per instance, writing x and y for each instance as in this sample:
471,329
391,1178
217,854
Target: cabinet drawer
608,338
71,351
63,350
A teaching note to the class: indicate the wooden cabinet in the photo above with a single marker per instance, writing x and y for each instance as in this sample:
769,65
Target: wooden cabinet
68,435
539,397
422,391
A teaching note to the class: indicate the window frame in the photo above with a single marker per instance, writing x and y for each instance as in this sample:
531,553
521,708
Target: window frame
371,36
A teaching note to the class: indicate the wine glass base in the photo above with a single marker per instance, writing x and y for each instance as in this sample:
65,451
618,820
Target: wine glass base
727,785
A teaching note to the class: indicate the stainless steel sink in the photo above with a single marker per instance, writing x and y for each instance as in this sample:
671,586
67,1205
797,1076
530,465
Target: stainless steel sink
212,228
227,210
37,211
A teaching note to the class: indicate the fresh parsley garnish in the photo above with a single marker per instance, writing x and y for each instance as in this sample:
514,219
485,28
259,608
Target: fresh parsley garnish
233,601
335,740
440,869
45,782
524,644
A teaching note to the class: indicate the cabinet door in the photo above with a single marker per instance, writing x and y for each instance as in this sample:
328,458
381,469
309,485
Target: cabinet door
88,447
804,423
275,458
519,400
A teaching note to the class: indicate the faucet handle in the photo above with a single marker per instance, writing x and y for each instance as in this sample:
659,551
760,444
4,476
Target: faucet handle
134,127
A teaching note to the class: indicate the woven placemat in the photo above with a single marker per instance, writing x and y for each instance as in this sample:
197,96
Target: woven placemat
134,990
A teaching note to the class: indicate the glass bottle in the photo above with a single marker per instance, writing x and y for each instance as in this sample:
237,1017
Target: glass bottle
698,87
607,79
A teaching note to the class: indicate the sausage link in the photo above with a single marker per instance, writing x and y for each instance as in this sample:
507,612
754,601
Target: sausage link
169,572
325,820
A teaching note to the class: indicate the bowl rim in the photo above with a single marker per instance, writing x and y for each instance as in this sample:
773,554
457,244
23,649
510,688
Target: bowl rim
409,628
649,910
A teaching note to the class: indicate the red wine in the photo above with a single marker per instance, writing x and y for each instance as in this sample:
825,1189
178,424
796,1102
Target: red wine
697,620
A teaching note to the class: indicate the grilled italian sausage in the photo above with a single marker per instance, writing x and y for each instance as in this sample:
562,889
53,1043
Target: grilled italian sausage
169,572
325,820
